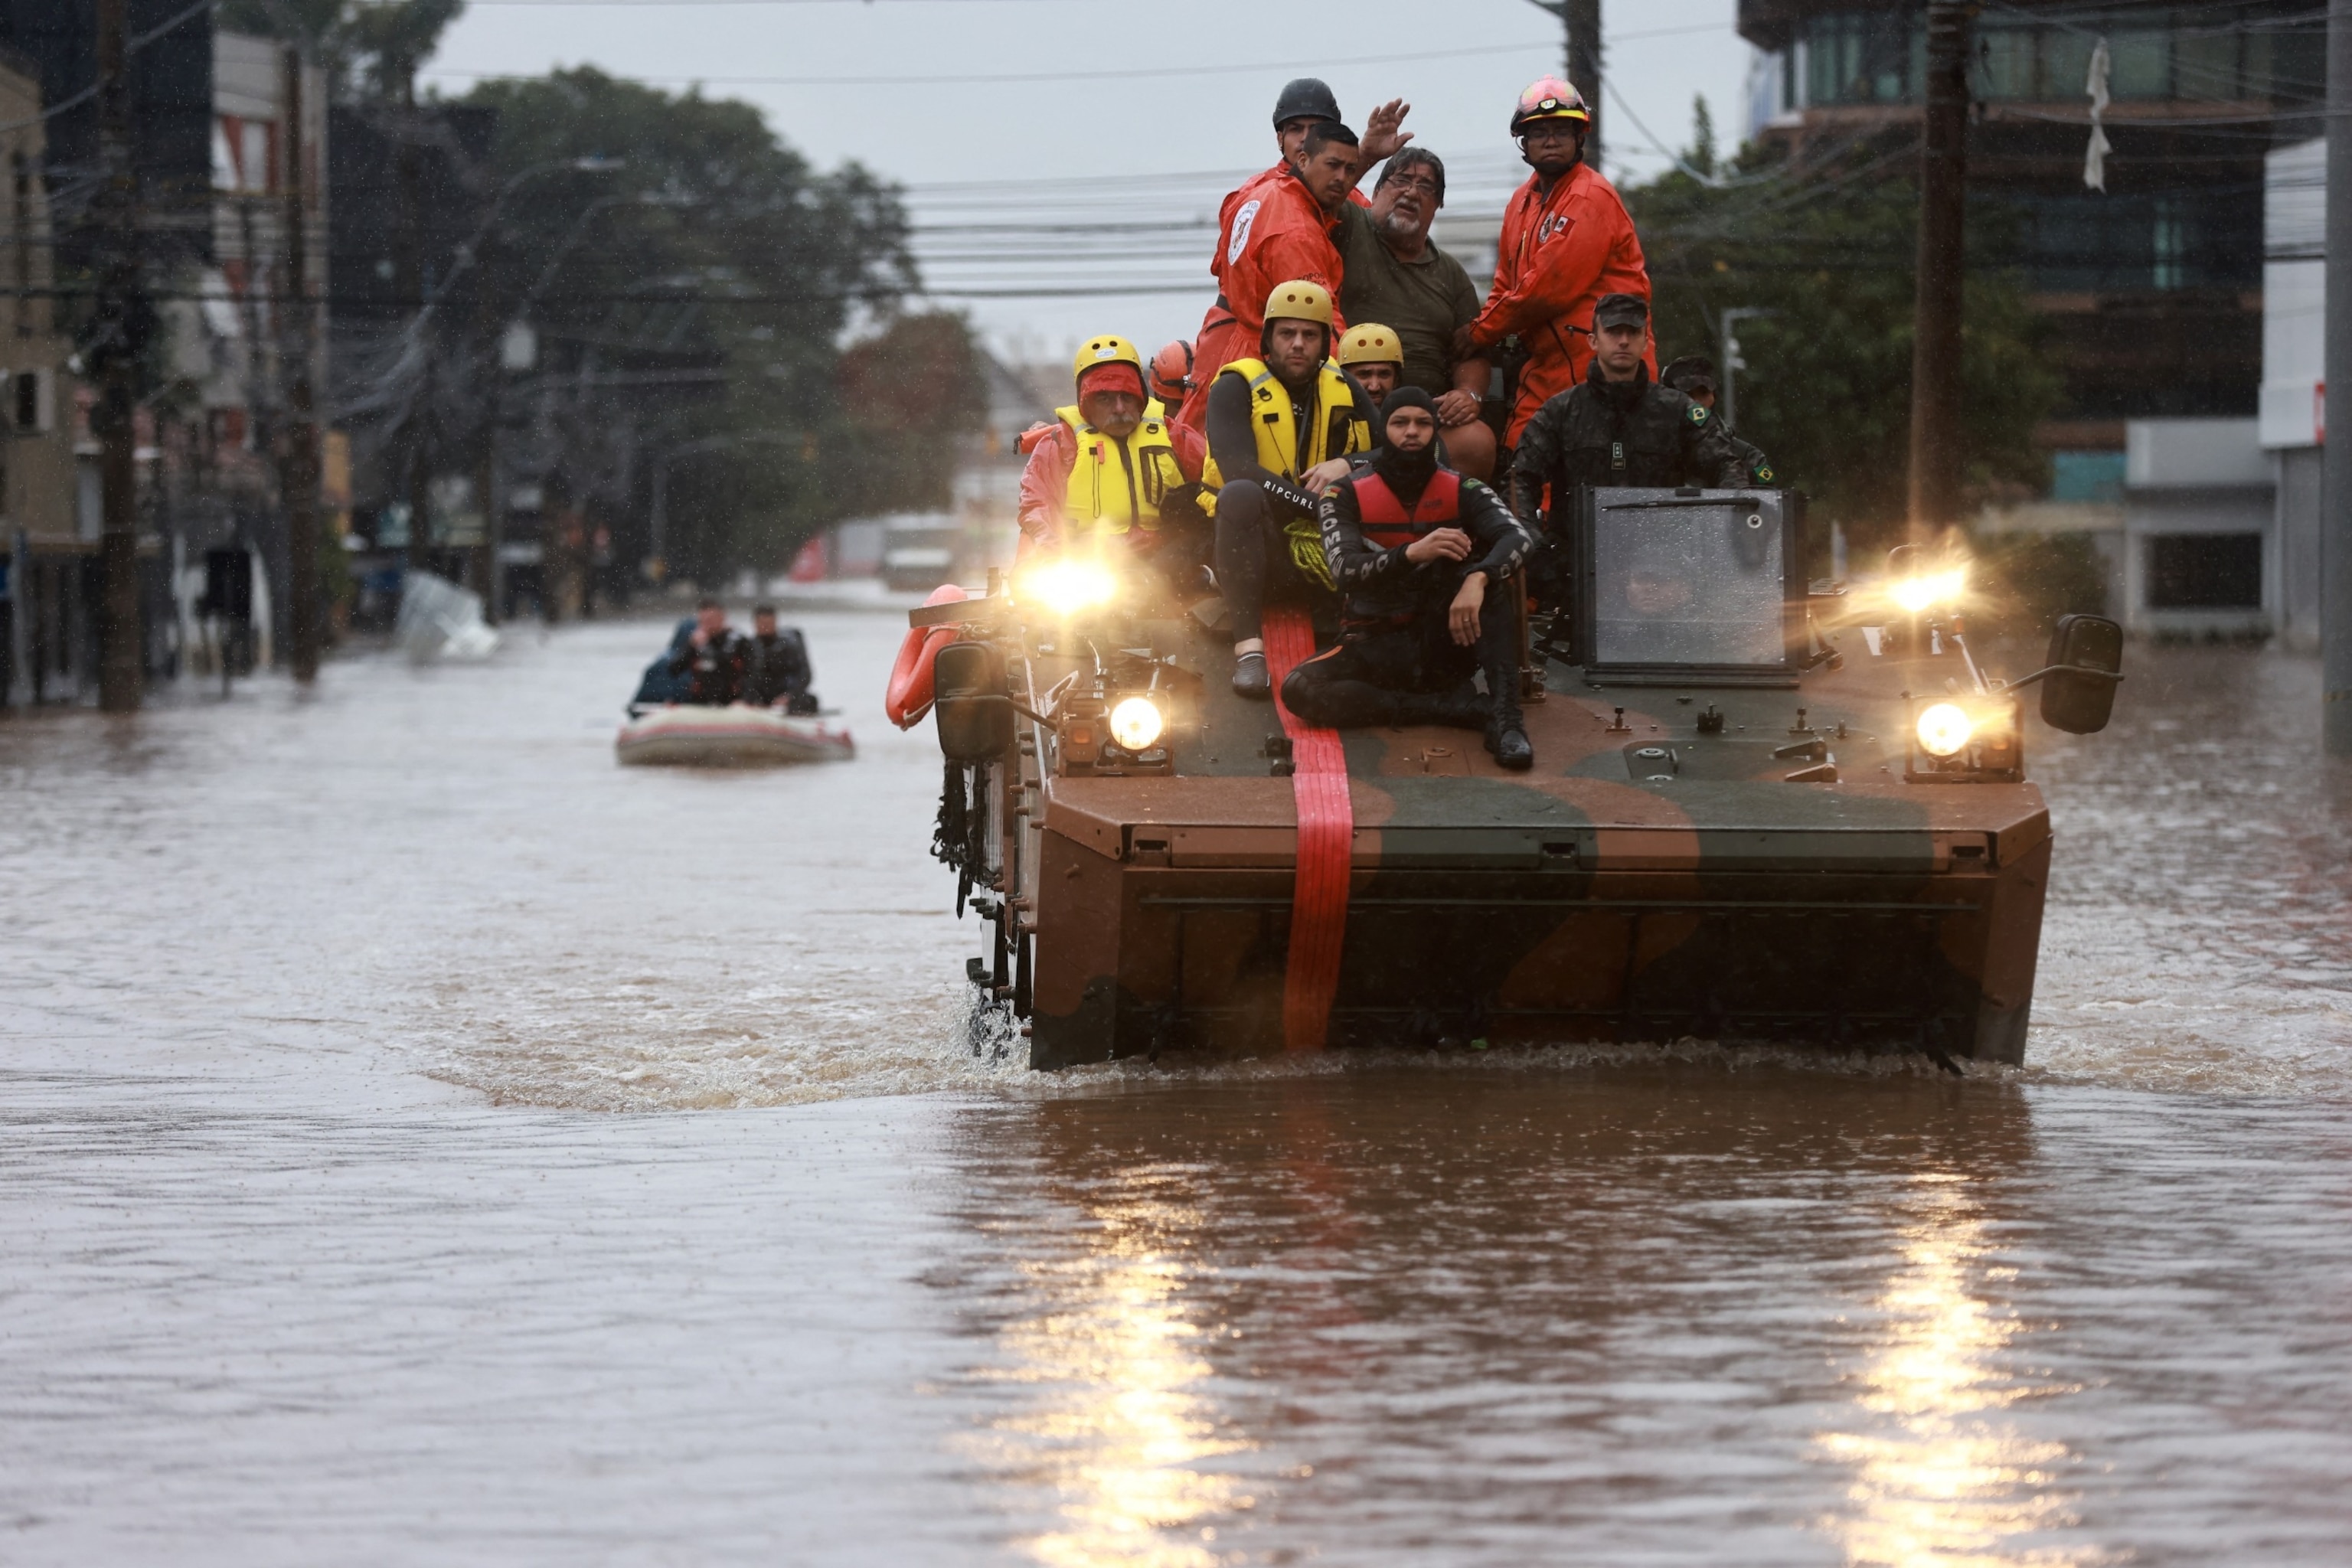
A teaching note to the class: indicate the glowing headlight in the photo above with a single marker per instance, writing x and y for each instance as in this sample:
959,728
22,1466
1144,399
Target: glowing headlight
1944,729
1136,724
1067,587
1915,595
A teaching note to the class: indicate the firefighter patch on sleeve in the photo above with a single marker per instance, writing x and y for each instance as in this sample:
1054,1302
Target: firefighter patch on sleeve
1244,221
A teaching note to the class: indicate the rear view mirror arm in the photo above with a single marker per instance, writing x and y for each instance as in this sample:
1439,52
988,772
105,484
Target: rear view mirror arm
2021,684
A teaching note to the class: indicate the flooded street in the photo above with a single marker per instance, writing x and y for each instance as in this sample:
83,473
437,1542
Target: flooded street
427,1142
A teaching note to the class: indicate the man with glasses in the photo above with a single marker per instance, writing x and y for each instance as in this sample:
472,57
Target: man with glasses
1393,273
1567,241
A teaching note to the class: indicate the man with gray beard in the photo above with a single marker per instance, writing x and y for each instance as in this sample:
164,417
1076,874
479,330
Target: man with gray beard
1393,274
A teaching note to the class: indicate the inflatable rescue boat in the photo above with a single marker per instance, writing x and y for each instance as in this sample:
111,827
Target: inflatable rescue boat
735,736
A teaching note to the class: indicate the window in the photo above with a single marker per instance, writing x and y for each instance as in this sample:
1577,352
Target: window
2205,65
2205,571
2168,246
2005,63
2066,64
20,219
2139,65
1864,58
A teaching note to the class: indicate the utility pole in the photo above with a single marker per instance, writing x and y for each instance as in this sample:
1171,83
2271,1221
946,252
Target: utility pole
1936,323
113,417
299,470
408,261
1580,59
2335,457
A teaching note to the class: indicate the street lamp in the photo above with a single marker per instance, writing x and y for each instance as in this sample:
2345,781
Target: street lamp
1727,328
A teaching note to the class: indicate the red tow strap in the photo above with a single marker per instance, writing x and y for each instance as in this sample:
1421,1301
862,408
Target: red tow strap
1327,832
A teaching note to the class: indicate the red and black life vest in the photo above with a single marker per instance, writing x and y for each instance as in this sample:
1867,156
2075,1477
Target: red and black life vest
1386,523
1382,518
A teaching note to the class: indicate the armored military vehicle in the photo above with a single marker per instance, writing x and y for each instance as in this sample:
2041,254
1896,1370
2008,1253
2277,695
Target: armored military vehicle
1762,810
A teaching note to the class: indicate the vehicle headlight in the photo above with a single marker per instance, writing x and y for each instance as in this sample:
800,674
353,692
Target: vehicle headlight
1917,594
1136,724
1067,587
1944,729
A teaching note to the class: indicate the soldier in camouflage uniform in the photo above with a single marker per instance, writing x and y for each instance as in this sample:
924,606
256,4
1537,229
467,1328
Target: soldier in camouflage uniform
1620,429
1694,375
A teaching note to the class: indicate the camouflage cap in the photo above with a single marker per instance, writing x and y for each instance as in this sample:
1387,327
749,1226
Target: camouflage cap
1621,310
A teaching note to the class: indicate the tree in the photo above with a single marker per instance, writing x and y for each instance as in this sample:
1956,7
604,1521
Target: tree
1829,248
690,306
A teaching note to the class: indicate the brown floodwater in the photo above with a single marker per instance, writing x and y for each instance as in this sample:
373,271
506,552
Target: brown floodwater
423,1140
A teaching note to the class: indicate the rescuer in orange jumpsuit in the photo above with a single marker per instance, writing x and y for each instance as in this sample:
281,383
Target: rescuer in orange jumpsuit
1282,236
1225,336
1567,241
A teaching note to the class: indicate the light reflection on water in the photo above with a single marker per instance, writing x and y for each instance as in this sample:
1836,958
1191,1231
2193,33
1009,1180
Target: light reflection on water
1943,1479
1115,1426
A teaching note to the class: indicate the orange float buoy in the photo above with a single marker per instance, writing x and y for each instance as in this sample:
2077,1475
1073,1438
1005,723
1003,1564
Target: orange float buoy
910,697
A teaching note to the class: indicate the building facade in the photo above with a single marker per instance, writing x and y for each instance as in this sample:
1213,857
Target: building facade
2153,285
45,551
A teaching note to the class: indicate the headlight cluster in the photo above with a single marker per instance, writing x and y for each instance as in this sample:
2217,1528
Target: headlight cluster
1925,591
1944,729
1136,724
1069,587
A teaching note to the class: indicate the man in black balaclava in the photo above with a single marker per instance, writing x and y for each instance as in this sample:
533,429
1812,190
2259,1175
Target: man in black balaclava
1414,548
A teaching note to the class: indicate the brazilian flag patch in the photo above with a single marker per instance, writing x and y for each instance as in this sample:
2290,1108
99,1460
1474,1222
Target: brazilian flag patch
1764,474
1697,413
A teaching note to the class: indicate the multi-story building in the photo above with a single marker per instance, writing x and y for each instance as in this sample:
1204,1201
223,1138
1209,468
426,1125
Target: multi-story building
233,336
2152,285
44,551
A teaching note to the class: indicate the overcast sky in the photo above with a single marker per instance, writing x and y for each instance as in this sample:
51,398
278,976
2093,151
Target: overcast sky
884,92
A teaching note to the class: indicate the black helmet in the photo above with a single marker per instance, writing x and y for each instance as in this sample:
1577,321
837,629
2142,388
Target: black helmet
1306,99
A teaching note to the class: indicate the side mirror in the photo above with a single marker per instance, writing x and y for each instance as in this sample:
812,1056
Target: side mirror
2084,665
974,703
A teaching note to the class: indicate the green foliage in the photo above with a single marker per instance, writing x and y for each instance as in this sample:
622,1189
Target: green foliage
903,392
371,49
1830,250
1701,155
716,259
2028,580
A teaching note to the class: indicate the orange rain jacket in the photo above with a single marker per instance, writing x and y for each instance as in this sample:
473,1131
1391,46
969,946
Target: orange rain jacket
1558,256
1270,232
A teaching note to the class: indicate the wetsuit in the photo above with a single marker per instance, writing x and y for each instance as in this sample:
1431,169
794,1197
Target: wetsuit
1397,662
780,672
719,671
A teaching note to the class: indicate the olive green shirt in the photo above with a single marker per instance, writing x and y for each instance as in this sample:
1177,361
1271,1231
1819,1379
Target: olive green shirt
1421,302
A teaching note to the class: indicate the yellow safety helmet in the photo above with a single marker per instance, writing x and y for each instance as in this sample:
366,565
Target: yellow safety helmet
1370,344
1300,300
1107,349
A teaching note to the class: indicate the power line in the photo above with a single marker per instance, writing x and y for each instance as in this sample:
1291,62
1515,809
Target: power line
137,42
990,79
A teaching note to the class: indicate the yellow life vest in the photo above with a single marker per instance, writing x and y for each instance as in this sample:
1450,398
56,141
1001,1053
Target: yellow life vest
1118,485
1277,444
1277,432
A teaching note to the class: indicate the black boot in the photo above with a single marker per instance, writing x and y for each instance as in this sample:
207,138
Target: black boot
1251,678
1507,730
1464,710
